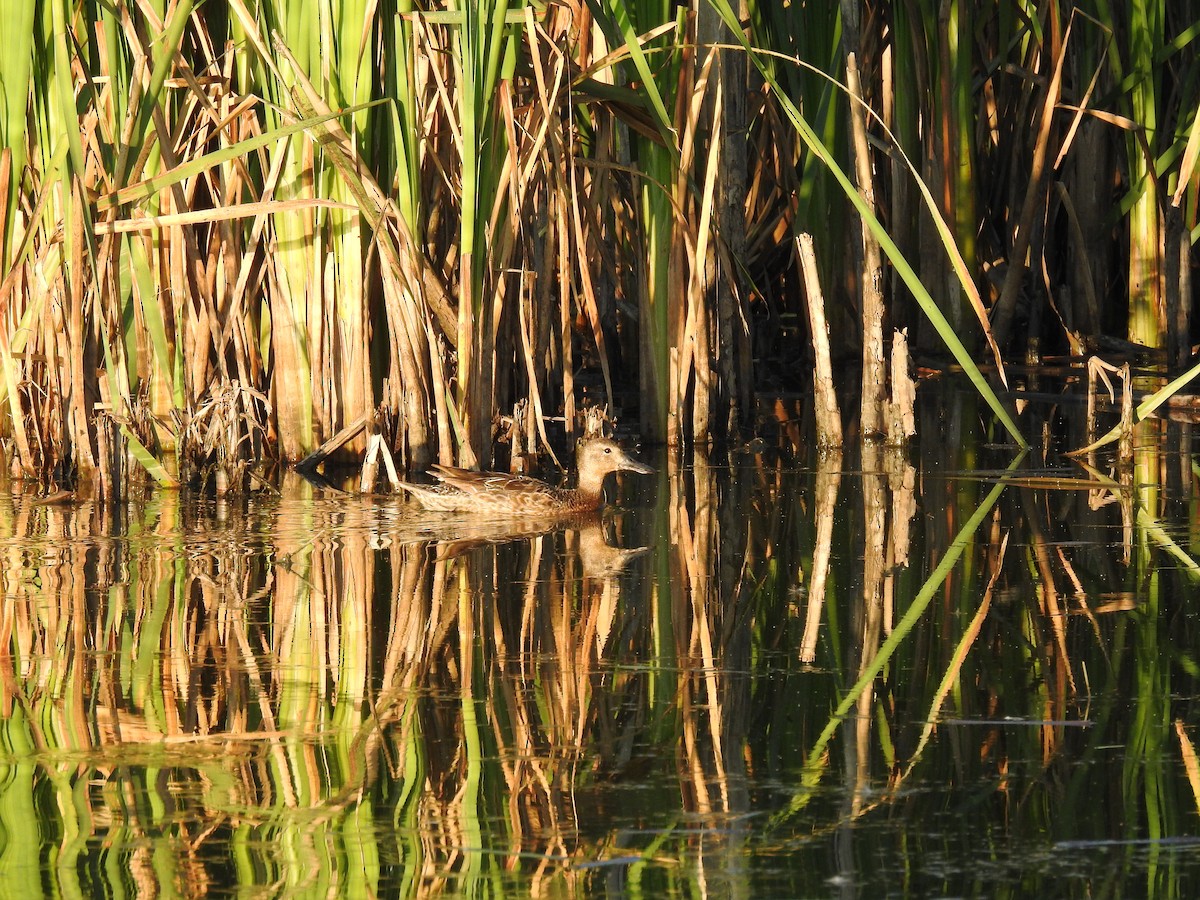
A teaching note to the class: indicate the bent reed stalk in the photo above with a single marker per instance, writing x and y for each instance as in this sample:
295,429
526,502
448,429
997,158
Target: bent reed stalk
237,232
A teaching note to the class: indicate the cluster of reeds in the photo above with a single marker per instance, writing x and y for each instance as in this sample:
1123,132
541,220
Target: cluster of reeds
239,231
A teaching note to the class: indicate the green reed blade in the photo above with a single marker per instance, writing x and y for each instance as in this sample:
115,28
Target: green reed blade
147,460
152,316
15,66
1145,38
485,53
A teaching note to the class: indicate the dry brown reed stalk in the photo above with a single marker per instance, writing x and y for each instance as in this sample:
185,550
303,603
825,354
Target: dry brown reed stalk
1035,190
1187,750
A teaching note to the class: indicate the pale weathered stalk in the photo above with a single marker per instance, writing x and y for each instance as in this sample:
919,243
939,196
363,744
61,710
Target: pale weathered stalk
825,406
825,495
901,418
694,375
874,372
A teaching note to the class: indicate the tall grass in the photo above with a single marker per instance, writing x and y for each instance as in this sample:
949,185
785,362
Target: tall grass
209,230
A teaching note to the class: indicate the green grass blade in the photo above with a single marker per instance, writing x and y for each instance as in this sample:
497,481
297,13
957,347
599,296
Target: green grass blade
147,460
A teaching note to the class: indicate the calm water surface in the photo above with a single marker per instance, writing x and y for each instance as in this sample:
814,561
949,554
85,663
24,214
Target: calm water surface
936,673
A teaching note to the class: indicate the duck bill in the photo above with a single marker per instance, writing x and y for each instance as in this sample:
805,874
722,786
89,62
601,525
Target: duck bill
632,465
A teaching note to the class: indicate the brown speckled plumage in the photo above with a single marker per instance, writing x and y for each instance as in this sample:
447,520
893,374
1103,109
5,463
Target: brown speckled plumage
498,494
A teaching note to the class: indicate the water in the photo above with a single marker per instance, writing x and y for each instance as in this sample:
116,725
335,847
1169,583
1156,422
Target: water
317,694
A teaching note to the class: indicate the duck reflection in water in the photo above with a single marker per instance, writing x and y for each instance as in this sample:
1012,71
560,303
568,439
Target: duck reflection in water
598,556
497,494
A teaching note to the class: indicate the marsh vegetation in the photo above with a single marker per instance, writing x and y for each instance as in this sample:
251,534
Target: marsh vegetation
240,232
847,639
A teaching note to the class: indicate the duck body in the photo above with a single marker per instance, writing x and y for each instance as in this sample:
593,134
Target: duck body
500,494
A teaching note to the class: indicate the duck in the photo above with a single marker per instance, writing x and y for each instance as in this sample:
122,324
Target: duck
500,494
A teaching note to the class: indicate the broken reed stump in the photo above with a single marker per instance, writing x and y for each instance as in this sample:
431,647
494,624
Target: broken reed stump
825,405
901,417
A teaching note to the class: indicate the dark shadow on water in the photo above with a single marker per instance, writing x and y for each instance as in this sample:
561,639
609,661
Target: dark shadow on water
764,675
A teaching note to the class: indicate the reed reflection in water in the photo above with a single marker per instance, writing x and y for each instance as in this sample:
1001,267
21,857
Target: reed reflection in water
755,680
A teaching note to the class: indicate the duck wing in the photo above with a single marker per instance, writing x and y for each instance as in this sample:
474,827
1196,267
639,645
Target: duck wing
471,482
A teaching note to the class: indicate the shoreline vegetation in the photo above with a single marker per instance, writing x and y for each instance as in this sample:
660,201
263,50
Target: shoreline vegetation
237,233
